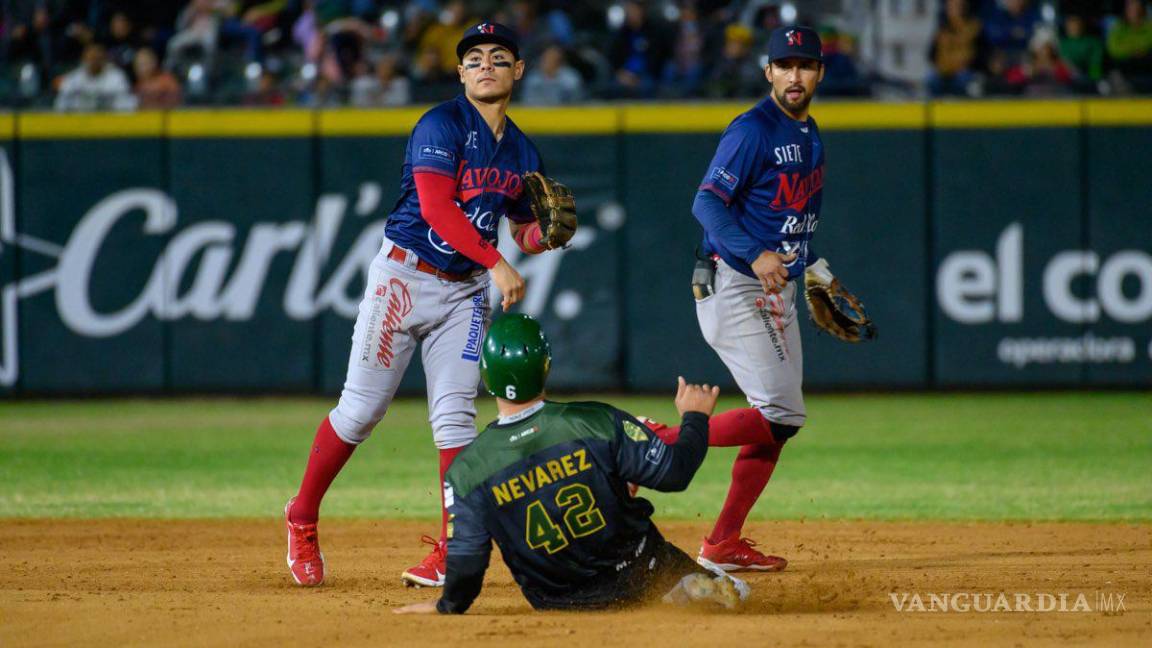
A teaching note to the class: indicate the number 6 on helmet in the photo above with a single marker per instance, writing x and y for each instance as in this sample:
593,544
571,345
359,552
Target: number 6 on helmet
516,358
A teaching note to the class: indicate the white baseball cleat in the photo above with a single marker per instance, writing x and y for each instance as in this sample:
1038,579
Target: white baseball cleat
723,590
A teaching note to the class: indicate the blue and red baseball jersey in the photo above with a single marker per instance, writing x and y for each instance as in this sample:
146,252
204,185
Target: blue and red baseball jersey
769,170
453,140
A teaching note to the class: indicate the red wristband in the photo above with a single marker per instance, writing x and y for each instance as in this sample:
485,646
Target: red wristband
530,239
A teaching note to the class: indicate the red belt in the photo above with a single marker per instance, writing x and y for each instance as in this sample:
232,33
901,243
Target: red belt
398,253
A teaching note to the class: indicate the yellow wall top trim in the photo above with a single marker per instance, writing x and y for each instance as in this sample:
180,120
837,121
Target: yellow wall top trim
1006,114
583,120
242,123
1118,112
870,116
714,118
89,125
680,118
395,121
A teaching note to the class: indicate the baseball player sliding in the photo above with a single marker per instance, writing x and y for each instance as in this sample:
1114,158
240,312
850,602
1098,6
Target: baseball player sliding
466,166
759,204
548,483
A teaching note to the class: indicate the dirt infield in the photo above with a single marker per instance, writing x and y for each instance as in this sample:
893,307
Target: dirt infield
173,583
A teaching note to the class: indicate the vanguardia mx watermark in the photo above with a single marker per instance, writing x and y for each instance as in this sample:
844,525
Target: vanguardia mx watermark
965,602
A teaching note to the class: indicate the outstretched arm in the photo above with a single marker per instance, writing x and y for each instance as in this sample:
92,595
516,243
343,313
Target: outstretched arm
646,460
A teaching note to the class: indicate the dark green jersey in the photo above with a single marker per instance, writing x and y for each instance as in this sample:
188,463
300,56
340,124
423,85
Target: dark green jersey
550,487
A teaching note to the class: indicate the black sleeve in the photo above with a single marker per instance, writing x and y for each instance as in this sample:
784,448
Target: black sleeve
462,583
469,548
642,458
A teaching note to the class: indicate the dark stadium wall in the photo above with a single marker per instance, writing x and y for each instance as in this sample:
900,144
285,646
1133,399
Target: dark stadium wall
244,194
1118,197
62,345
1023,203
995,244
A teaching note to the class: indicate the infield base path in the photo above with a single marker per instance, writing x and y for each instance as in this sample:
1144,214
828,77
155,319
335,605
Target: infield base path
193,583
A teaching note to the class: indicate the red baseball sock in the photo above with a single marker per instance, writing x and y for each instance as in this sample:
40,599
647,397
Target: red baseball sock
738,427
328,456
752,469
750,474
447,456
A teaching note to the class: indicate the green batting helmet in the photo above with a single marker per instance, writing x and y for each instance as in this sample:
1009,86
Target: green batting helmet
516,357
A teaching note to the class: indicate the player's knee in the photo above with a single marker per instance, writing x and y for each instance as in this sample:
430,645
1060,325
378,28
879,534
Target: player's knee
355,417
351,426
454,437
453,428
782,432
453,431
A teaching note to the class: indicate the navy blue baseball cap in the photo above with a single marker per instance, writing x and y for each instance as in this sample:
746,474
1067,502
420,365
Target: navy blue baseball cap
487,32
794,42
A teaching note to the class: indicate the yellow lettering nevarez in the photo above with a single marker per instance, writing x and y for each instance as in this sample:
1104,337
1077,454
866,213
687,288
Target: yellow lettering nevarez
536,477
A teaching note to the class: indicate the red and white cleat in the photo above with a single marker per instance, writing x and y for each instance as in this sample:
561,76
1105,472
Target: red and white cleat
305,560
737,554
430,571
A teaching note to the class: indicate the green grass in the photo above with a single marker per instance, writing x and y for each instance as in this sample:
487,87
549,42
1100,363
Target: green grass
1049,456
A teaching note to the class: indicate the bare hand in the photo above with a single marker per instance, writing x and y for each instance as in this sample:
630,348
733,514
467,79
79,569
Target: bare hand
769,269
427,607
696,398
508,282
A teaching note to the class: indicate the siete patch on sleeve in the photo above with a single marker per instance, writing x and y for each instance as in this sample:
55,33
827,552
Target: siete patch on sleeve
724,178
429,152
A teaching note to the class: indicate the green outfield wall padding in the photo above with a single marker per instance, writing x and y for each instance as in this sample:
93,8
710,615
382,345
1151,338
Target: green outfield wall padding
1002,212
185,254
92,219
245,207
1117,253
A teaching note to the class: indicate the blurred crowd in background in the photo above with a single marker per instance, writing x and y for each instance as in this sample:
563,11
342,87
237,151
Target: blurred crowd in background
160,54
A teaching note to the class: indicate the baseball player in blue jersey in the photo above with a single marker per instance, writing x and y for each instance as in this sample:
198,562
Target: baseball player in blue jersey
759,204
466,166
